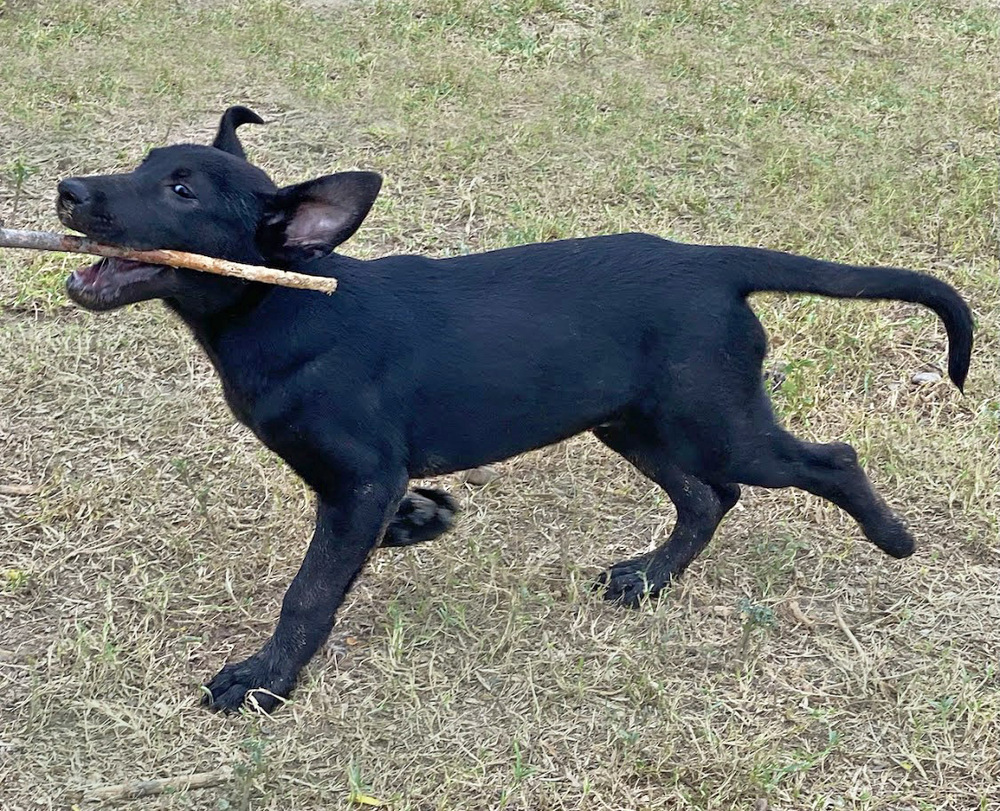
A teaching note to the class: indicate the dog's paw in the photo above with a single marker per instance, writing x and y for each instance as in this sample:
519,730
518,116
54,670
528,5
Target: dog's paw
423,514
891,536
253,682
629,582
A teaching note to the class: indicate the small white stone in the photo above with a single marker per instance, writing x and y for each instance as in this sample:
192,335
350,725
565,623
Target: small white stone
921,378
480,476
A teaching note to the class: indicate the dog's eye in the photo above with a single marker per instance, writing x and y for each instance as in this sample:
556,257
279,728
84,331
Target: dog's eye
182,191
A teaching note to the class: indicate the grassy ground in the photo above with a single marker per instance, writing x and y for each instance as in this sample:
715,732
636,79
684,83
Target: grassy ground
145,538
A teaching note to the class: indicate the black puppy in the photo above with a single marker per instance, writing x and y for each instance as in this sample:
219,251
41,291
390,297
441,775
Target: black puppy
418,366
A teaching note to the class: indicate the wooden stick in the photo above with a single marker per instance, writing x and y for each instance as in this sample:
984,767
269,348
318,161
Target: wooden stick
146,788
47,241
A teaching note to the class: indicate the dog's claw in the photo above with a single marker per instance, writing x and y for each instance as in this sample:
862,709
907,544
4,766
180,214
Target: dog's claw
251,682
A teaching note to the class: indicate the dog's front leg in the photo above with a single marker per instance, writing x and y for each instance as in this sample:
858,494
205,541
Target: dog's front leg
348,527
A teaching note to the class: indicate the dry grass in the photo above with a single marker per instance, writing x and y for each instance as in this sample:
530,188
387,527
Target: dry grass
793,668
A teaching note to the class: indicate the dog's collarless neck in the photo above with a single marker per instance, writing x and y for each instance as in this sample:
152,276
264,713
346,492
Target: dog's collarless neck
207,328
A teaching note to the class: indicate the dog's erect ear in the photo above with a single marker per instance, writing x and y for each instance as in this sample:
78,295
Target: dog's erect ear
313,218
225,138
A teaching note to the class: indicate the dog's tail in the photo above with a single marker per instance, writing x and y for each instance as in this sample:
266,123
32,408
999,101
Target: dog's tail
773,271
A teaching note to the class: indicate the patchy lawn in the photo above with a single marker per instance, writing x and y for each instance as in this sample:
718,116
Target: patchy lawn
146,538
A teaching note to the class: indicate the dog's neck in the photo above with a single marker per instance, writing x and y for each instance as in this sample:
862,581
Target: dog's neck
229,330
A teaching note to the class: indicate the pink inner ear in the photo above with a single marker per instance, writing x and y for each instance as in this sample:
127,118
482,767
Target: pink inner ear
314,223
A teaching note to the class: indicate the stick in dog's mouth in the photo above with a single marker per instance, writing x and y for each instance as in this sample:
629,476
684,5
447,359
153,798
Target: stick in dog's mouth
129,261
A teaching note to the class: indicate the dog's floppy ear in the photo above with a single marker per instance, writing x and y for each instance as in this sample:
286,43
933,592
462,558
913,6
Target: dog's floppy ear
225,138
312,218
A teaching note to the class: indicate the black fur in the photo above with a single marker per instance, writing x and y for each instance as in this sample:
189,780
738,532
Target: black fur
226,138
418,366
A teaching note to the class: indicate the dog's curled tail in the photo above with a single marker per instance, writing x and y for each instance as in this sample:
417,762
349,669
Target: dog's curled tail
773,271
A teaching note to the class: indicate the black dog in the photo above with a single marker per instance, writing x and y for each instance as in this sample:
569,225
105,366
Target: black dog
418,366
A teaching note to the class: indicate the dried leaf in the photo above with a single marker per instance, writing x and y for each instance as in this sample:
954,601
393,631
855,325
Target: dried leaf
364,799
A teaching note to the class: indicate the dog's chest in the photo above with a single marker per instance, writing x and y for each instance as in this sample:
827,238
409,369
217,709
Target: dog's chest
239,402
244,375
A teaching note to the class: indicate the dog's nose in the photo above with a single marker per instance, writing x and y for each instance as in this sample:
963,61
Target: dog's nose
72,192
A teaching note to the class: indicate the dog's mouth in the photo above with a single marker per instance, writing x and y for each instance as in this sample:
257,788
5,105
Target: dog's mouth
111,283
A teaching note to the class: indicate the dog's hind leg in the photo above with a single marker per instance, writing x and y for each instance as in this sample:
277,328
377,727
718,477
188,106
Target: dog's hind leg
775,458
700,508
423,514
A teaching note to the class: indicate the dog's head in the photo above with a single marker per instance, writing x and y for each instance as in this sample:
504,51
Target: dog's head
207,200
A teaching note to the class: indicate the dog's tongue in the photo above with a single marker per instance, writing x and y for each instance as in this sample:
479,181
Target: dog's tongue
103,268
88,273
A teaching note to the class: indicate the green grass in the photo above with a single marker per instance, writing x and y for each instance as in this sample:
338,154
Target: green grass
145,538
